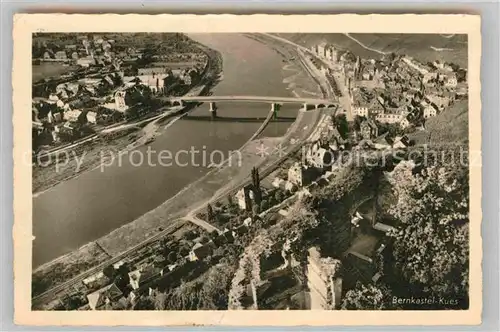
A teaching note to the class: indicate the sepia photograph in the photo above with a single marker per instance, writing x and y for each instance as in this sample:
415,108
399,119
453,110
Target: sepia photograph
251,171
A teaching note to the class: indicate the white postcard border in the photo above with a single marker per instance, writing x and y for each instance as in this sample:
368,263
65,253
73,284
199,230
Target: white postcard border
26,24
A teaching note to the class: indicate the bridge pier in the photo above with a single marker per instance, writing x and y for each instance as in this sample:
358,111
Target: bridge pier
213,109
305,106
275,107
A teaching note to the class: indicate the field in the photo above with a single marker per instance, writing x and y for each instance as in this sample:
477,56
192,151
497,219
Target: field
49,69
424,47
448,127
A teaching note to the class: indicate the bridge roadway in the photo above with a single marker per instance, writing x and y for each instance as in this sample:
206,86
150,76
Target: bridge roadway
257,99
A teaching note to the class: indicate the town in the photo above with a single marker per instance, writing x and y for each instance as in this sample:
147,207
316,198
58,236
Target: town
321,229
94,91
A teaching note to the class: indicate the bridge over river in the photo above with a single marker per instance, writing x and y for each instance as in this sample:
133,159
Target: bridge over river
274,101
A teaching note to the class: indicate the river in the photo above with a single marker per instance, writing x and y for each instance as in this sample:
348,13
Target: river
87,207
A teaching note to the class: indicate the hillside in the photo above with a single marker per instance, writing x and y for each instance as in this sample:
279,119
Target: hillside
424,47
450,126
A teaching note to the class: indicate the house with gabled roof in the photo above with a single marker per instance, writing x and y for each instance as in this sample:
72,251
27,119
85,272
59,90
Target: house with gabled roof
200,251
368,129
142,276
103,296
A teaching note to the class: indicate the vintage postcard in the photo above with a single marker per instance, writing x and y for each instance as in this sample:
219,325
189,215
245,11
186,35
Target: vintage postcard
247,170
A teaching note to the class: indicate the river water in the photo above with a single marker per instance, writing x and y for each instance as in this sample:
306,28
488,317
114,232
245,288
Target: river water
85,208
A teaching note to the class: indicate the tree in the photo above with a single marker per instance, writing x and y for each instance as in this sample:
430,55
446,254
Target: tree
264,205
144,303
367,297
213,235
172,257
357,121
122,278
160,300
229,200
278,196
117,79
256,185
209,292
342,125
255,210
431,247
191,235
109,271
184,251
122,281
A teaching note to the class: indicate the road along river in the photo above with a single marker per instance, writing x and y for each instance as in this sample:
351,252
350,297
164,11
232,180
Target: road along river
92,205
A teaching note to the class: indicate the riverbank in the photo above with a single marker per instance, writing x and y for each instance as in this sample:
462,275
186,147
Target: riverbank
301,81
88,156
217,182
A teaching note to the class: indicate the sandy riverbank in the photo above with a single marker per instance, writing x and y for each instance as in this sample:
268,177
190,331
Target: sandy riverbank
89,155
299,80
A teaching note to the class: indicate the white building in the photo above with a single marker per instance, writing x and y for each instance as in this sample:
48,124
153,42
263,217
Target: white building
390,117
404,123
451,81
360,110
429,111
243,197
99,275
143,275
120,104
415,65
298,175
104,296
322,50
72,115
319,157
92,117
86,62
429,76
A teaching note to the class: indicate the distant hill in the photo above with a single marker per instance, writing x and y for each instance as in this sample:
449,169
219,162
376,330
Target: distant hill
424,47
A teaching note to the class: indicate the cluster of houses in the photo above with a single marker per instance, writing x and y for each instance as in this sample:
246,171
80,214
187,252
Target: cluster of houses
102,99
405,98
142,280
63,107
92,51
104,89
160,80
400,90
73,104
